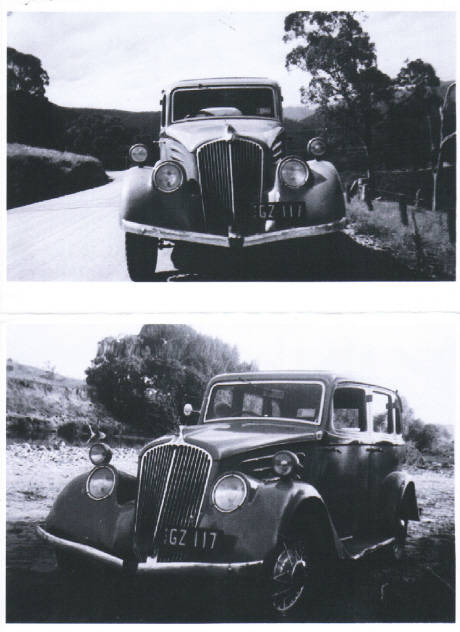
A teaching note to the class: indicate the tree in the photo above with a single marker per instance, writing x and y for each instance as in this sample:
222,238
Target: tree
145,380
346,83
25,74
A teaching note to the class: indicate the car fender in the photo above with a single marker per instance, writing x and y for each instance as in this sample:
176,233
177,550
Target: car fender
142,203
397,488
323,192
105,524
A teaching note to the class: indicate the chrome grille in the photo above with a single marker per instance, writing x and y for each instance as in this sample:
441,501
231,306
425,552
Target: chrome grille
231,180
172,484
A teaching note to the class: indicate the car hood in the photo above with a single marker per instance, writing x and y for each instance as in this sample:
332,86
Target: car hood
225,439
192,134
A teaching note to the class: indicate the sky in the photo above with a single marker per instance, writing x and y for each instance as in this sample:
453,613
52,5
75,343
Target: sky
124,60
414,353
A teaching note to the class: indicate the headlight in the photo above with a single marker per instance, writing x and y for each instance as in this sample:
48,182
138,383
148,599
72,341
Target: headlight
100,454
285,463
293,172
229,492
317,147
100,483
168,177
138,153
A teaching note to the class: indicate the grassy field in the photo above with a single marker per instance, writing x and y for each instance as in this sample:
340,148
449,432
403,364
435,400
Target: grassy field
422,246
35,174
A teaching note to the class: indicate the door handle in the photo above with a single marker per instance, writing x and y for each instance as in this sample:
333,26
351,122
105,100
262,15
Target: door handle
374,450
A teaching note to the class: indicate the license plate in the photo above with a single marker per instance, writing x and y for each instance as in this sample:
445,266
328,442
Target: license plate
280,210
190,538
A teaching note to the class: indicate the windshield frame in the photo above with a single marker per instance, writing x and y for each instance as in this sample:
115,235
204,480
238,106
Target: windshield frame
275,117
273,382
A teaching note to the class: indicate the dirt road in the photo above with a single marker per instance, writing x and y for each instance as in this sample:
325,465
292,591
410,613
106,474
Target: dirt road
77,238
419,589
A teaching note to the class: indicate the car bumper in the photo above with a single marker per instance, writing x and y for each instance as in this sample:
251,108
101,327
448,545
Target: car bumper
151,566
232,240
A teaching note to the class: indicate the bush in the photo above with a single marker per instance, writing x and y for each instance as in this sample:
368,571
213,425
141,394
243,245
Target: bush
35,174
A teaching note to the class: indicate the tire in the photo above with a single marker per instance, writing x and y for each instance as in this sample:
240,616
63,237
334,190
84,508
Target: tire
68,564
141,257
397,548
291,574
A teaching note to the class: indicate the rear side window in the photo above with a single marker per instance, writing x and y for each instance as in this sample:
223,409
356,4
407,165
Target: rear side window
398,419
349,409
382,419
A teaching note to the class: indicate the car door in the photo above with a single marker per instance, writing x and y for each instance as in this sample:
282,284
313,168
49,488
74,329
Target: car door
344,471
384,451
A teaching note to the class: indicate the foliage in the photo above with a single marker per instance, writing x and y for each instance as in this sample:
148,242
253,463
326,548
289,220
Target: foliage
48,173
25,74
346,83
145,380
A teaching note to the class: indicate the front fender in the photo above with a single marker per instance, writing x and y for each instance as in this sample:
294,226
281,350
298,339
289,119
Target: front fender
254,530
398,487
322,193
105,524
141,202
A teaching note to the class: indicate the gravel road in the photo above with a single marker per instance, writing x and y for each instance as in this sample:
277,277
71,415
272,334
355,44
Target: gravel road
420,589
77,238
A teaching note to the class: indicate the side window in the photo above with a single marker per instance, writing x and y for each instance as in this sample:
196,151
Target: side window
382,418
349,409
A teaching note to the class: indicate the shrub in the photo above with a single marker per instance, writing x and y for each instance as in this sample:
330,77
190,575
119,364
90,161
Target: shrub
35,174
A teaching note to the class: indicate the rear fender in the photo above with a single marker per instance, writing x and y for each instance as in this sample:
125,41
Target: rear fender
399,498
142,203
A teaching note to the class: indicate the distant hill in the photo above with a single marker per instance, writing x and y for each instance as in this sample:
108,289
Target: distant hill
40,400
298,112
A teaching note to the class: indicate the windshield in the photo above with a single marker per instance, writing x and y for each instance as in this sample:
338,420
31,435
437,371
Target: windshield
301,401
227,102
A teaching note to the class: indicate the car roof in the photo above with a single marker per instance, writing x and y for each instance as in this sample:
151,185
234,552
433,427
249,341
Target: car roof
223,81
329,377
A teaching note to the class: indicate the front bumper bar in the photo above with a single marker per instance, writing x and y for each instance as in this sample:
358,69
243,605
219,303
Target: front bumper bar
151,566
169,234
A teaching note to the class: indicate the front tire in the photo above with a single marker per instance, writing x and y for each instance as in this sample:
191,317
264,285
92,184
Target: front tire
141,257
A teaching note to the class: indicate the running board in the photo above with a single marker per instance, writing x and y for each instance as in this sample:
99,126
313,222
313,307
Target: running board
356,550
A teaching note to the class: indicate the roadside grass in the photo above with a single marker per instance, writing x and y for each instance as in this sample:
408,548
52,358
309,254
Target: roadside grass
423,246
35,174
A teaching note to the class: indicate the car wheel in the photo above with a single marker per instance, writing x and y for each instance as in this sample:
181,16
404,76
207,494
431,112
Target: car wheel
141,257
290,580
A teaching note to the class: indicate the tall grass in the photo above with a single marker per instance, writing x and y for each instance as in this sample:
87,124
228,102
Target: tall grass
423,245
35,174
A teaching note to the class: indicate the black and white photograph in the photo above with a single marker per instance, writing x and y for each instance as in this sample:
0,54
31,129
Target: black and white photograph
231,146
231,468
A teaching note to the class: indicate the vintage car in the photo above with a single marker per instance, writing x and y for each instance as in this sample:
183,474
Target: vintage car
220,176
281,475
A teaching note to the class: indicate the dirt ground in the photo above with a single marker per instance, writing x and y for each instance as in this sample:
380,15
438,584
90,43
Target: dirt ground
421,588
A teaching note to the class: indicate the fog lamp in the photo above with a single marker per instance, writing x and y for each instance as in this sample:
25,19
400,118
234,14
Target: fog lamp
293,172
317,147
138,153
229,493
100,454
285,463
100,483
168,176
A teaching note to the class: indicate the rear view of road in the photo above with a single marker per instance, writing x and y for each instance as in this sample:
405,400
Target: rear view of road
78,238
71,238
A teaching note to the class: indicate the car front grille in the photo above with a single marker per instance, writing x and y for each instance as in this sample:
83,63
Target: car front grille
172,483
231,180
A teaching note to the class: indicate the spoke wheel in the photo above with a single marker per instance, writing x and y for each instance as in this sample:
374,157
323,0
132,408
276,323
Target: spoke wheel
290,572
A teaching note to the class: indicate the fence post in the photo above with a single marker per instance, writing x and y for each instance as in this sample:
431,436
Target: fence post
403,210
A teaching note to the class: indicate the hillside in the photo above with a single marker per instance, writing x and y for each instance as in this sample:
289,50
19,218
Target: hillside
42,401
